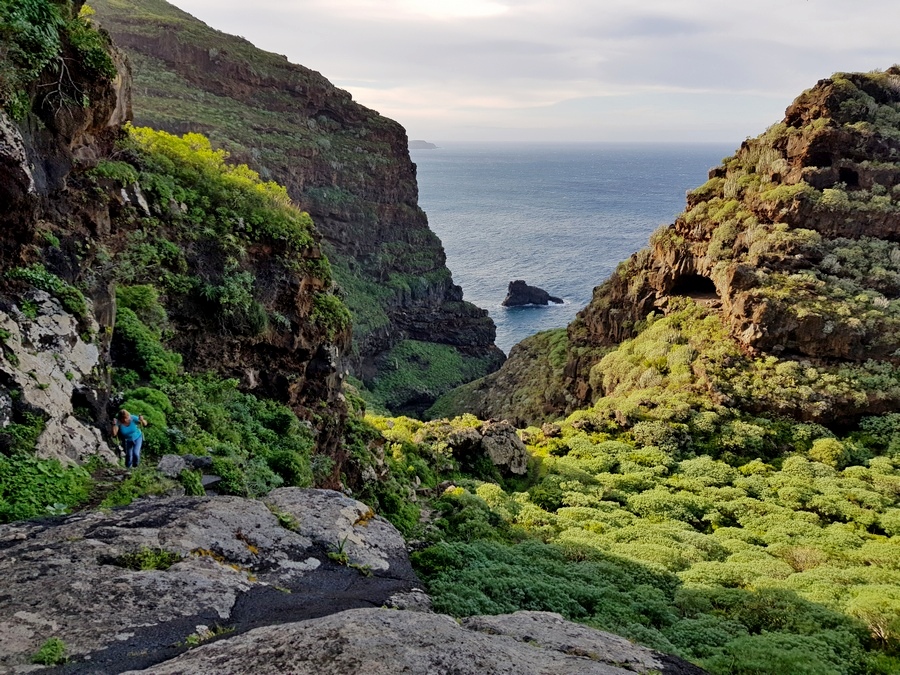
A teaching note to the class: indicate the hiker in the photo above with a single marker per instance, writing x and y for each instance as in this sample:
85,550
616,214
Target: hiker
132,437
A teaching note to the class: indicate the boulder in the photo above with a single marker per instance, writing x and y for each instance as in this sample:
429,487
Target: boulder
171,466
504,447
235,564
498,441
520,294
384,642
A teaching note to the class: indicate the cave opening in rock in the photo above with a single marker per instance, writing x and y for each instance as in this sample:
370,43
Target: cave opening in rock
820,160
848,177
695,286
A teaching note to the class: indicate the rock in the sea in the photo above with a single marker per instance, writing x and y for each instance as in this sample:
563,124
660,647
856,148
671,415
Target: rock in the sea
520,294
218,561
385,642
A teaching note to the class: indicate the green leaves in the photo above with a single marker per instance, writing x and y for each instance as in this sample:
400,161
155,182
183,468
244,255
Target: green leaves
32,487
38,276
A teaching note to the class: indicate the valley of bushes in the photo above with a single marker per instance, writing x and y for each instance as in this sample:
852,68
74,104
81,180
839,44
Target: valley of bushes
728,505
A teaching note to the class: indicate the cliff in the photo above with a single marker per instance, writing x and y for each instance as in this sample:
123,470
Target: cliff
346,165
791,244
133,258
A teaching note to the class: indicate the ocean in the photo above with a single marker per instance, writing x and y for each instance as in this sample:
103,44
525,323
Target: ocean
559,216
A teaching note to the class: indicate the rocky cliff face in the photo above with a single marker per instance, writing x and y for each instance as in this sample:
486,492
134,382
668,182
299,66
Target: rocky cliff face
792,243
345,164
87,209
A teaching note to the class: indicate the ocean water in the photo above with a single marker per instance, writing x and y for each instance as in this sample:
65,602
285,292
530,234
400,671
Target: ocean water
561,217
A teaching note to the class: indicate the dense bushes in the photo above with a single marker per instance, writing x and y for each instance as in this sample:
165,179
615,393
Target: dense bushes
227,199
33,33
778,568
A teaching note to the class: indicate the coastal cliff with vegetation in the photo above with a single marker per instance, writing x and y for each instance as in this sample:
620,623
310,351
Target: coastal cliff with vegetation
791,244
702,474
414,337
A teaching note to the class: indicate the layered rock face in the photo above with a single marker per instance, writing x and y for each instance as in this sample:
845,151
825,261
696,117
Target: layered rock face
302,583
792,241
345,164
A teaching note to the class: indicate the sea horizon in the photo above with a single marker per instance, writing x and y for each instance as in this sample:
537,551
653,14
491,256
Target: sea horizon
559,215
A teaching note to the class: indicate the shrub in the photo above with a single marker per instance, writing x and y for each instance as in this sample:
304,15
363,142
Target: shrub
32,487
330,314
192,483
145,559
51,653
38,276
141,348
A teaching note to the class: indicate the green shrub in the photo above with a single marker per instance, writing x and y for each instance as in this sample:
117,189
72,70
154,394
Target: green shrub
51,653
38,276
139,483
121,172
91,45
228,198
143,300
142,349
31,487
330,314
192,483
145,559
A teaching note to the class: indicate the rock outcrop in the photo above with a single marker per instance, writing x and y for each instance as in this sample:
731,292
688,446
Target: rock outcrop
302,583
129,588
51,369
792,242
495,441
345,164
520,294
382,642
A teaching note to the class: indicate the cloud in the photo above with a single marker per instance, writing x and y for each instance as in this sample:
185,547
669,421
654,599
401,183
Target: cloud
673,66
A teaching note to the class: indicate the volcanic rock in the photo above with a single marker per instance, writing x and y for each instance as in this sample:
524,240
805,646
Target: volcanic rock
520,294
234,562
384,642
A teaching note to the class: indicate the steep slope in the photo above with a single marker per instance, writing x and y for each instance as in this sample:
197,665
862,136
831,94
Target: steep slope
345,164
132,259
792,245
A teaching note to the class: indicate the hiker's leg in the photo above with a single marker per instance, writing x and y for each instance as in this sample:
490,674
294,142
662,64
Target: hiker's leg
129,454
136,451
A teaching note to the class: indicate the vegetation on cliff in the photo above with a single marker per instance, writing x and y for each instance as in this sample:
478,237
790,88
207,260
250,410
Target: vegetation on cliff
212,269
348,166
37,37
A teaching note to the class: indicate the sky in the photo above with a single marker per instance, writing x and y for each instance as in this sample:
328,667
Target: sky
571,70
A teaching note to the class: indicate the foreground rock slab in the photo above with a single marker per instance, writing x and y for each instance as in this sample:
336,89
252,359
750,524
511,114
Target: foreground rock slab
385,642
237,565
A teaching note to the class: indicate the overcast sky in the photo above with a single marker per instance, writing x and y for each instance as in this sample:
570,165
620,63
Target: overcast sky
597,70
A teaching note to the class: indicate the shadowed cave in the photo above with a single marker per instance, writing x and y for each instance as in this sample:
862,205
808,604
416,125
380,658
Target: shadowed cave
695,286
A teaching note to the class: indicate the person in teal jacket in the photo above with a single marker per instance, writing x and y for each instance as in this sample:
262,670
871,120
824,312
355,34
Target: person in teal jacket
129,428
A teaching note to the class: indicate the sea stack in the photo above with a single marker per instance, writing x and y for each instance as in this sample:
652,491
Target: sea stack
520,294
